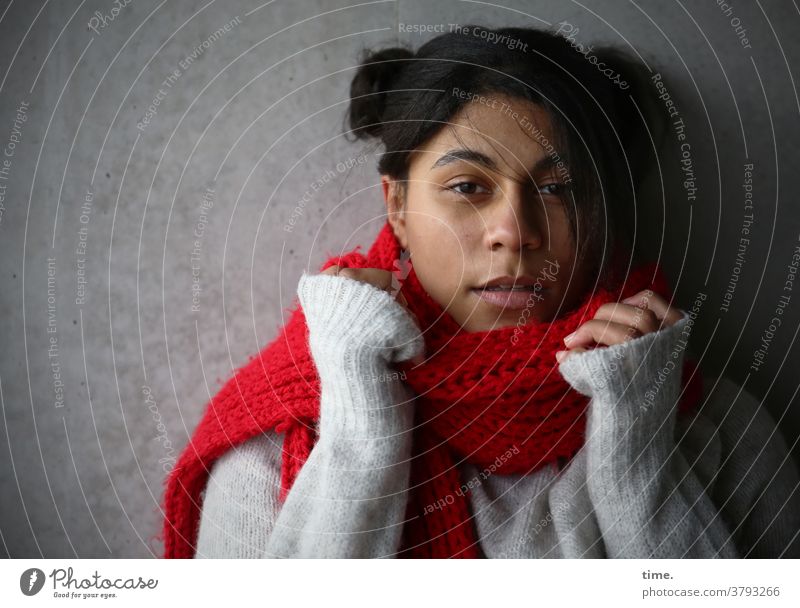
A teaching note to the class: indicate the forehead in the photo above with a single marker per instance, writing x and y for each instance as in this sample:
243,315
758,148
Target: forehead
515,133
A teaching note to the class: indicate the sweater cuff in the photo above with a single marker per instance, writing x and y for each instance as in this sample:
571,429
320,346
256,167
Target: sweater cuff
356,331
345,315
635,377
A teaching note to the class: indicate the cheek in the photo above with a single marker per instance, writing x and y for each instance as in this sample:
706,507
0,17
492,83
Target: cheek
436,249
560,237
441,255
435,234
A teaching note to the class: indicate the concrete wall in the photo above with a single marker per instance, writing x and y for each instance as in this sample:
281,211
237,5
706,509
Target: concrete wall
106,209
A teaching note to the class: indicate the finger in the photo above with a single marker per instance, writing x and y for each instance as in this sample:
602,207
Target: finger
601,332
382,279
647,298
671,314
563,354
332,270
640,299
642,319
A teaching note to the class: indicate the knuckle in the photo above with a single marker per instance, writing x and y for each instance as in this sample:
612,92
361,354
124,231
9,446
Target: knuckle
384,278
607,307
673,315
633,334
650,317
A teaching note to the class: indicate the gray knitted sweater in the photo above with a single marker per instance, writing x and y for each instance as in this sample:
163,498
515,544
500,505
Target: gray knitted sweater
646,483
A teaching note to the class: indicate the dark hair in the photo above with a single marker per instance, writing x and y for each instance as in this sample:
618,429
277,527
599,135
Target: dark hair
603,121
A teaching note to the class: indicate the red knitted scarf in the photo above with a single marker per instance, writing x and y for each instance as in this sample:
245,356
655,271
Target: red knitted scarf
491,398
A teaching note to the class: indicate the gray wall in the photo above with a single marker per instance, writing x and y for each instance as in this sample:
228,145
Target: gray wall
257,116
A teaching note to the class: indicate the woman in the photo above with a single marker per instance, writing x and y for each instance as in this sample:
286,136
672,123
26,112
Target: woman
500,375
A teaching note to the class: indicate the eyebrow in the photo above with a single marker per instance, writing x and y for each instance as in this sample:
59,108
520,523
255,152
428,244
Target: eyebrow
474,156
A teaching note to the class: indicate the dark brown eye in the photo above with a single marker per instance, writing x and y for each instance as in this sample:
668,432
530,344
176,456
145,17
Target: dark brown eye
465,188
555,189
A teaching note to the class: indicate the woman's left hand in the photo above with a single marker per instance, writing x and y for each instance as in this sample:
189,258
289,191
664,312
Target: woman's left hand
618,322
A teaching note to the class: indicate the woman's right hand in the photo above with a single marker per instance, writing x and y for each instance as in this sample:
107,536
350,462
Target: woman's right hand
382,279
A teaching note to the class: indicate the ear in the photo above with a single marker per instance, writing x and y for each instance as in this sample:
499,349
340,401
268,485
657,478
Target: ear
394,198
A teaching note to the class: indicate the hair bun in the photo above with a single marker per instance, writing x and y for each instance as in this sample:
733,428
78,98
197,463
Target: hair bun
374,77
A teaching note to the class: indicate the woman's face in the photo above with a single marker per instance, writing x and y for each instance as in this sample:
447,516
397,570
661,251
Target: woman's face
485,200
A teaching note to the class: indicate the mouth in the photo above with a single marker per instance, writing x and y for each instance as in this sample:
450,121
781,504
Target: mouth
510,297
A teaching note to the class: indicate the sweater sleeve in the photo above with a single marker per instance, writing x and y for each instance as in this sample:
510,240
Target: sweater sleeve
240,503
648,501
717,481
349,498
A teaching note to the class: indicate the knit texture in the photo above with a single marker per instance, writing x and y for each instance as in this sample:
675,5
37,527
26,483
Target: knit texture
480,395
647,483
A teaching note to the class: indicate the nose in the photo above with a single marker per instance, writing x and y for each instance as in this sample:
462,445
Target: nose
514,223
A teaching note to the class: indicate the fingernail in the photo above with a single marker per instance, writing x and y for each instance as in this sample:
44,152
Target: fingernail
569,337
560,355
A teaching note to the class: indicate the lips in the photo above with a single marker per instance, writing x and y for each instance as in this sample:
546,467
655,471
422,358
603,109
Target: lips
513,288
515,298
508,281
512,292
